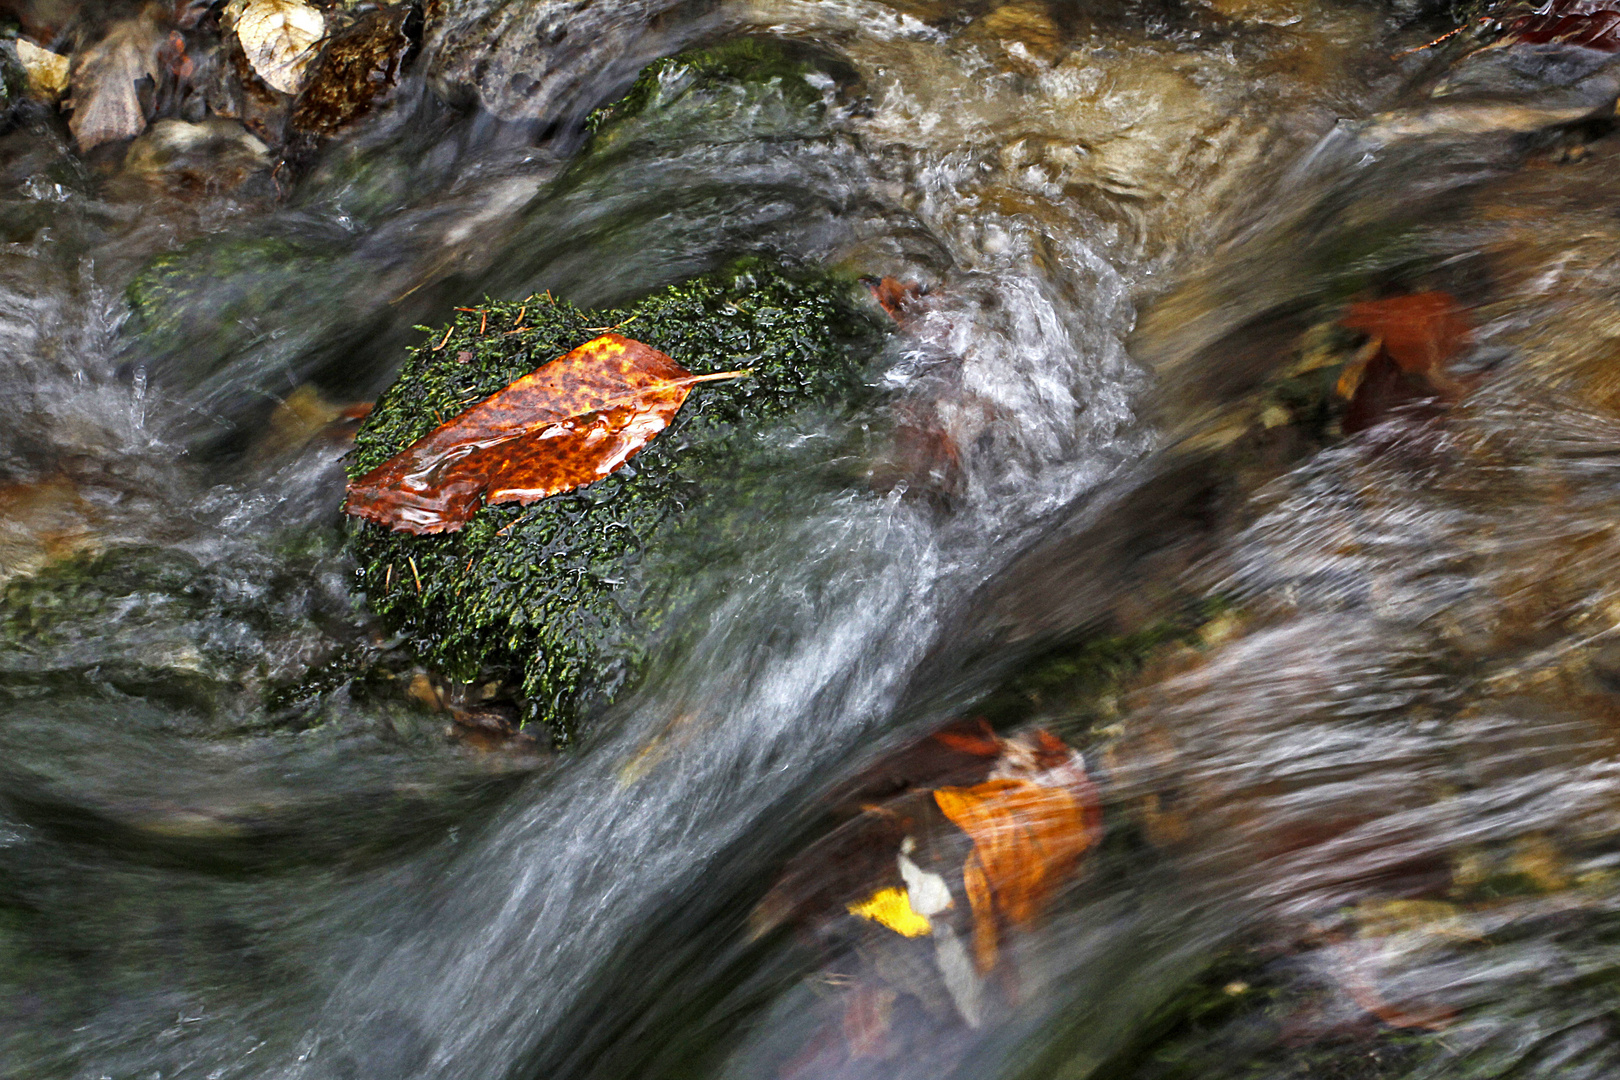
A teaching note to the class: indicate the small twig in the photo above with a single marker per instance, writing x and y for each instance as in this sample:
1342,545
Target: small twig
483,323
388,578
415,573
610,329
446,339
1447,36
427,279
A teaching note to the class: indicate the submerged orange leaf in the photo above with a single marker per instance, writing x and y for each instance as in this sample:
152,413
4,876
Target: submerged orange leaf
566,424
893,296
1420,331
1402,368
1027,838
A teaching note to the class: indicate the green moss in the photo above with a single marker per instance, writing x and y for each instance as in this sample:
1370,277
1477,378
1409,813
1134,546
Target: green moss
561,596
1070,686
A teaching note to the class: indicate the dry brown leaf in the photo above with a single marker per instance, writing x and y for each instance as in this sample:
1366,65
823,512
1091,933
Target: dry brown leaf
105,81
280,38
47,71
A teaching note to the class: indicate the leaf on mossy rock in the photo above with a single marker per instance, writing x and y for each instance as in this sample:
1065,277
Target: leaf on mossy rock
564,425
280,38
560,599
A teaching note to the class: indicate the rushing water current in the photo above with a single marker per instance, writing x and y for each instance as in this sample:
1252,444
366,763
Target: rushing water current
1341,663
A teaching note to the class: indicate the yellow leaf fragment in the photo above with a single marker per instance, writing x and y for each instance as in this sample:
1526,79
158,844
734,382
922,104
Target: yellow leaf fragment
280,38
1355,369
47,71
892,908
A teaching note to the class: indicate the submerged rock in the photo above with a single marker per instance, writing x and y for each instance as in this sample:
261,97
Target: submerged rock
558,600
214,155
235,645
1393,461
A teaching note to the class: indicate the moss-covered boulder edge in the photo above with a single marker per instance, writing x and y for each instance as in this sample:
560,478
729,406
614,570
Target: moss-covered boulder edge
556,602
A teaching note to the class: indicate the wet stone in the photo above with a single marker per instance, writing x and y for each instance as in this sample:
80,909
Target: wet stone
237,645
359,66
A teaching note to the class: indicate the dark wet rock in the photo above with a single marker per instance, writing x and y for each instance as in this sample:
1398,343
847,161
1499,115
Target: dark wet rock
1556,75
237,645
535,61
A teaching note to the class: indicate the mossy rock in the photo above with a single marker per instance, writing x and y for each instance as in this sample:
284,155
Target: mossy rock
197,311
558,600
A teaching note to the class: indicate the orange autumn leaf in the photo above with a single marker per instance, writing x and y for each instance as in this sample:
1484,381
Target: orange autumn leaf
566,424
973,737
893,296
1027,838
1420,331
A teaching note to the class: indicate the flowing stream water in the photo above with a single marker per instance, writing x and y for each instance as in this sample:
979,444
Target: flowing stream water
1363,825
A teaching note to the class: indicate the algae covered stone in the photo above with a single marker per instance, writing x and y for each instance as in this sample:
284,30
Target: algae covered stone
556,601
